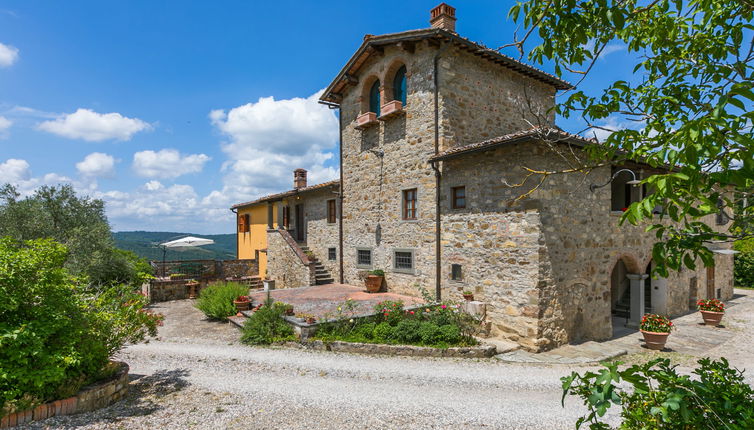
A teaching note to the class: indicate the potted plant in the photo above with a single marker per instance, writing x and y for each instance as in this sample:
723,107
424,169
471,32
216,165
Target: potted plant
712,311
307,318
468,295
374,280
243,303
655,329
192,284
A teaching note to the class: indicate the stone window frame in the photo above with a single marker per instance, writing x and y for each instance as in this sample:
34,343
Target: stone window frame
371,257
388,92
412,270
415,189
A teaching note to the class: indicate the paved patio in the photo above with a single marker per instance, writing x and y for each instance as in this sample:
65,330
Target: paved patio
691,338
321,300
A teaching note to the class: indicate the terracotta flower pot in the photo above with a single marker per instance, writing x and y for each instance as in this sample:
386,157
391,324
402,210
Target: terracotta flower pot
712,318
373,283
655,340
242,305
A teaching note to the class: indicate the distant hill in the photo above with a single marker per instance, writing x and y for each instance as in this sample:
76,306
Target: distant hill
143,243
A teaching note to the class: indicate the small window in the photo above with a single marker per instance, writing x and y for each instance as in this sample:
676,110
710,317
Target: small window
721,218
399,85
403,261
332,254
455,272
331,213
458,197
623,194
243,223
409,204
374,98
286,217
364,257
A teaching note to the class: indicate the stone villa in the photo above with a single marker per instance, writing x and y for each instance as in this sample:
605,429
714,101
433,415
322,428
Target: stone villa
437,134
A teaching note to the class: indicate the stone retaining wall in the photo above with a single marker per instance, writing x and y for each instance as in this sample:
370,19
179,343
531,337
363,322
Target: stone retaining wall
286,262
482,351
92,397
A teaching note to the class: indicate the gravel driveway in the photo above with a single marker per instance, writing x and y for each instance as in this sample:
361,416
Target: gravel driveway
196,375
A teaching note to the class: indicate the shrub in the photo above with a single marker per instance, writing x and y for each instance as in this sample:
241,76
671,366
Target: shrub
654,396
56,335
743,269
656,323
216,301
266,326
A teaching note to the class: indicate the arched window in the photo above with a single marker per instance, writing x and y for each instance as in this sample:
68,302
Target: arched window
374,98
399,85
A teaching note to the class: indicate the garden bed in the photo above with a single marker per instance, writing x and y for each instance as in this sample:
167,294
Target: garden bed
478,351
96,396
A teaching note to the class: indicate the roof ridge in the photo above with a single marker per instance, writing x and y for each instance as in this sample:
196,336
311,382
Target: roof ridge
286,193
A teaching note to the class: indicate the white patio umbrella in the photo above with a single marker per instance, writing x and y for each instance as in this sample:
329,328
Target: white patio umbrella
185,242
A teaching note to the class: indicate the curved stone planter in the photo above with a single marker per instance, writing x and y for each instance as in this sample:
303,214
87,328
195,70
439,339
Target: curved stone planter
91,397
480,351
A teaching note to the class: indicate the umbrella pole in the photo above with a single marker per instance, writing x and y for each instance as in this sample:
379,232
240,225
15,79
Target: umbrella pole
164,251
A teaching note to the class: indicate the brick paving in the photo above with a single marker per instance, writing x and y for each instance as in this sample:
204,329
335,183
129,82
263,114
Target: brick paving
690,338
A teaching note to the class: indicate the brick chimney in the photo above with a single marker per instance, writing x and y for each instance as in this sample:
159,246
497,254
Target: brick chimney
299,178
443,16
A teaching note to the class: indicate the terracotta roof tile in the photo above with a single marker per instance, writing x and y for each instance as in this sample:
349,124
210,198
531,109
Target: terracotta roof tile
287,193
542,133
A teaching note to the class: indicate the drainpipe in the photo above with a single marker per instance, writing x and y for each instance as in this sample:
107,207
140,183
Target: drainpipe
235,211
438,176
340,196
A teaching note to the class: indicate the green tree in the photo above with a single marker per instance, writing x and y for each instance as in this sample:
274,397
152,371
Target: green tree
692,101
79,223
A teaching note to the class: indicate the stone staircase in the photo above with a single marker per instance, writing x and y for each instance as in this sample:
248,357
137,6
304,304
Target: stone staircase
321,275
623,307
253,282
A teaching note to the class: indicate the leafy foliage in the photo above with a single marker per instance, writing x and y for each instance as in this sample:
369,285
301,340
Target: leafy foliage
80,224
692,106
266,326
216,301
654,396
55,334
439,326
743,269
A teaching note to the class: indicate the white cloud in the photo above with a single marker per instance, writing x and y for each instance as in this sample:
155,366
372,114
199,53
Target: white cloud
5,124
18,173
94,127
607,50
167,163
8,55
96,165
14,170
604,130
270,138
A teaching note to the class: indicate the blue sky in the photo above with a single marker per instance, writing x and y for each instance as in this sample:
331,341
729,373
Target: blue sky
171,111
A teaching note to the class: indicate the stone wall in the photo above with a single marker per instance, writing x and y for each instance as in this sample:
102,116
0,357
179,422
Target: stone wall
90,398
286,264
482,100
563,243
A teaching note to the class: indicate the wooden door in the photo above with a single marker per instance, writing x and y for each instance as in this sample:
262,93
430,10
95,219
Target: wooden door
711,282
299,223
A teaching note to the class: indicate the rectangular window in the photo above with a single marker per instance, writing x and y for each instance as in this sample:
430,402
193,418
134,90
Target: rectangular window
331,254
364,258
409,204
243,223
286,217
403,261
458,197
455,272
331,211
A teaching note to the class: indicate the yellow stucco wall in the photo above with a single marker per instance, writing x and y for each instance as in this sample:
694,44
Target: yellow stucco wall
256,239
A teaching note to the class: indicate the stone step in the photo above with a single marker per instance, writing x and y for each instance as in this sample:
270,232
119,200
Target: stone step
237,321
319,281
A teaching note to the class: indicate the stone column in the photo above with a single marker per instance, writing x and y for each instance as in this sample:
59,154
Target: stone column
637,297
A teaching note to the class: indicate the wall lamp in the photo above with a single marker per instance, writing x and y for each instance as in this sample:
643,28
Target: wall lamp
633,181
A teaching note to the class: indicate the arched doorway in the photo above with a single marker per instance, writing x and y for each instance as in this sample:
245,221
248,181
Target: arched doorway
655,292
620,291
